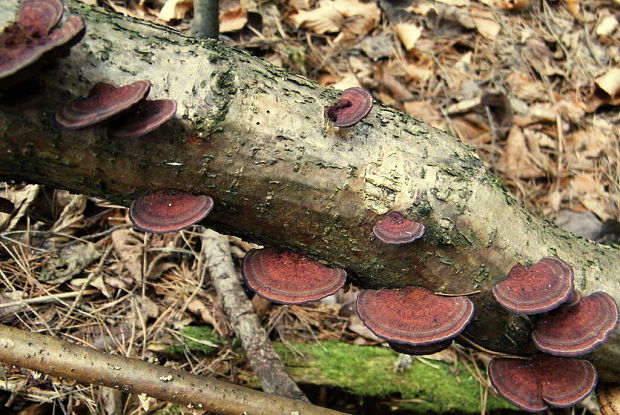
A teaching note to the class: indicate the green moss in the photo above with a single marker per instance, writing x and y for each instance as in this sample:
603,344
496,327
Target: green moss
196,339
369,371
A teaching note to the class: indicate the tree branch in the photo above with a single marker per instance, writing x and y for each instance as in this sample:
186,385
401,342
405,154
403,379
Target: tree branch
61,358
254,138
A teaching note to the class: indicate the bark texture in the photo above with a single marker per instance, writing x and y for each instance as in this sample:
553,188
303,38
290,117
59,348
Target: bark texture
254,137
63,359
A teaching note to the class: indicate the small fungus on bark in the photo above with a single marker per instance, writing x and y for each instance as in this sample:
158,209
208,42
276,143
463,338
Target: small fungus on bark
168,211
395,228
35,35
38,17
542,381
536,289
413,315
420,350
354,104
289,278
103,102
575,330
142,118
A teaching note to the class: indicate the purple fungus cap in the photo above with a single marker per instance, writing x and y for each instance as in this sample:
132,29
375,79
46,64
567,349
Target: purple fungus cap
354,104
169,211
102,103
420,350
536,289
564,382
576,330
288,277
38,17
534,384
397,229
19,56
515,381
413,315
143,118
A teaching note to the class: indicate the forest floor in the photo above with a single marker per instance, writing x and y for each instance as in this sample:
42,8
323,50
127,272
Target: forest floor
534,87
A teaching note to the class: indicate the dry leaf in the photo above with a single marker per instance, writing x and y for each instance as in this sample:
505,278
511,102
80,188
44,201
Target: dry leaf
610,83
175,10
524,87
588,191
233,20
324,19
573,8
408,33
607,25
515,161
485,22
512,5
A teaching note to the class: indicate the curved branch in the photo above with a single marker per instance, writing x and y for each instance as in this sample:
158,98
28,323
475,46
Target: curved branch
61,358
254,138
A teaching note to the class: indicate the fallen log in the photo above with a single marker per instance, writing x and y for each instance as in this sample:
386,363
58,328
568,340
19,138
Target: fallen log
254,137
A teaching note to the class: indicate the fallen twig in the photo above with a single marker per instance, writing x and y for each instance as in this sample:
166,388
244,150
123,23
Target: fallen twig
264,360
61,358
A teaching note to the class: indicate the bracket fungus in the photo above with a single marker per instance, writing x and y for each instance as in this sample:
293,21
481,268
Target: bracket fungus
354,104
542,381
142,118
395,228
36,34
413,315
103,101
420,350
536,289
168,211
290,278
574,330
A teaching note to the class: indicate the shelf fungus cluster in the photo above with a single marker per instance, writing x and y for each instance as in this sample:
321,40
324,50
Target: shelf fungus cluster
39,35
567,325
129,113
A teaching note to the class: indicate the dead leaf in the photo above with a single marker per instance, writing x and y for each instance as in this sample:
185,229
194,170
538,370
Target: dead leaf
485,22
68,262
408,33
607,25
512,5
590,193
324,19
175,10
233,20
71,218
515,161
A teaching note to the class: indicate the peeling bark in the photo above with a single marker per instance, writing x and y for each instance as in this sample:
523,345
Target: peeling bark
254,138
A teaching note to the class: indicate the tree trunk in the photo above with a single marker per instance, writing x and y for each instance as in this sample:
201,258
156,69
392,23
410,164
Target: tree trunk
254,137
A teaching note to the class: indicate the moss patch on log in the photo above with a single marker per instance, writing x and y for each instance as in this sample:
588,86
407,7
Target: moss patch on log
435,386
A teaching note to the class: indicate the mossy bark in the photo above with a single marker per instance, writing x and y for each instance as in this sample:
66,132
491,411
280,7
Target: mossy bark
253,136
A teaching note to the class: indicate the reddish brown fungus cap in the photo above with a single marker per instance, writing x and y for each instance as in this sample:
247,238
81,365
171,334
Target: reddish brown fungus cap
576,330
102,103
420,350
397,229
169,211
543,381
38,17
290,278
143,118
536,289
18,59
353,106
413,315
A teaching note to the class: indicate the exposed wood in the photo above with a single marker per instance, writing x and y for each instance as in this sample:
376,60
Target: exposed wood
61,358
254,138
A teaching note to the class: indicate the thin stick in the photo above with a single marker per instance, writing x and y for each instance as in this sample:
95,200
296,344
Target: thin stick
262,357
63,359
